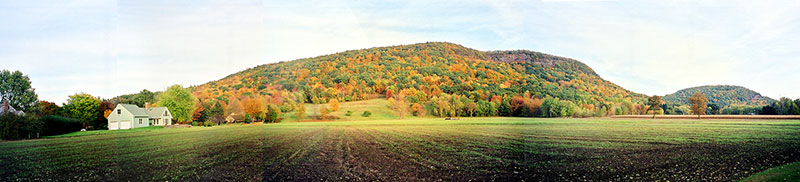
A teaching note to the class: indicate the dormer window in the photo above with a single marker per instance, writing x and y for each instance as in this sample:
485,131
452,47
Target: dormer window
119,111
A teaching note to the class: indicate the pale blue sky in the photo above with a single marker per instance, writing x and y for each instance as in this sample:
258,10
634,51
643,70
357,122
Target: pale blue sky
112,47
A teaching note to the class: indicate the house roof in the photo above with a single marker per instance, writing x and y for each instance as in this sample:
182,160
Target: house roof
156,112
10,109
3,108
135,110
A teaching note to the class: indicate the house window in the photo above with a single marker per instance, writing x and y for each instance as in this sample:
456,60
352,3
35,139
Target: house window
165,113
140,121
119,111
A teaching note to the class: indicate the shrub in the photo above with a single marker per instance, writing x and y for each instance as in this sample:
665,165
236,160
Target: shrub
56,125
348,113
366,114
208,123
195,123
13,127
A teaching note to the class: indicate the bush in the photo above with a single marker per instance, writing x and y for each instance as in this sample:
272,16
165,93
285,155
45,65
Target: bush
56,125
13,127
348,113
366,114
208,123
195,123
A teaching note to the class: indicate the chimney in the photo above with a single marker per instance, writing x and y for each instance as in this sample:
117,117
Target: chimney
147,105
5,106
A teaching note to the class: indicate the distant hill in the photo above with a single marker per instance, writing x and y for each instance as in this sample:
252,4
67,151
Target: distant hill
431,68
722,95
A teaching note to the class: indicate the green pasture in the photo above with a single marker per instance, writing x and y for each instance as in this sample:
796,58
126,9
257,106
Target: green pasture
414,149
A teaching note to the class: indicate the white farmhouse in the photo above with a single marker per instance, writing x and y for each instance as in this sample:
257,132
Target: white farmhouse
127,116
7,109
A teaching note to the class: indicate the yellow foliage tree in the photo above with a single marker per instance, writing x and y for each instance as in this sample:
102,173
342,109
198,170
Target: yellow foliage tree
334,104
254,107
323,111
699,103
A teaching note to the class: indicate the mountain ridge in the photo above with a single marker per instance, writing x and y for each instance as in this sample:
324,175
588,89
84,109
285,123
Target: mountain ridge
426,76
455,57
721,95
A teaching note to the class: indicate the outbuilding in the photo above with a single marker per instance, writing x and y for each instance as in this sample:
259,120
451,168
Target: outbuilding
128,116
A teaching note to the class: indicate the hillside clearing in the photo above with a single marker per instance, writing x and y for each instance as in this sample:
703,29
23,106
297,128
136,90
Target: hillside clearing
484,149
378,107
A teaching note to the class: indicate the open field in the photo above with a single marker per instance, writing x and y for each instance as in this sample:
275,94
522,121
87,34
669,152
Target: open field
771,117
502,149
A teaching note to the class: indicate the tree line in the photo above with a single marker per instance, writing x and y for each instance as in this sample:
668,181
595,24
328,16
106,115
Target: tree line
81,111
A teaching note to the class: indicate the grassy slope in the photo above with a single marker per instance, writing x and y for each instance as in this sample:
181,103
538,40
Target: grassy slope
788,172
416,149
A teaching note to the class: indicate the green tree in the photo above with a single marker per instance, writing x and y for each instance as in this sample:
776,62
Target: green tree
144,96
216,113
784,106
83,107
16,89
179,101
796,108
655,104
504,108
554,107
273,113
627,107
699,103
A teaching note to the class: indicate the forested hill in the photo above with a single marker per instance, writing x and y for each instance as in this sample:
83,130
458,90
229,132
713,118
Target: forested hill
423,71
721,95
538,58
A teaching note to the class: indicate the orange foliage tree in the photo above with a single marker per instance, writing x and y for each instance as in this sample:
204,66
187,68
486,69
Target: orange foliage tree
417,109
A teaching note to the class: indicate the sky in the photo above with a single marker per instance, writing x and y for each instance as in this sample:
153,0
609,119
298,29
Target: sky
112,47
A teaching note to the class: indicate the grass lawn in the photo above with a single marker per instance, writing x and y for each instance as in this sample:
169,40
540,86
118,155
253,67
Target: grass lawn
788,172
502,149
100,132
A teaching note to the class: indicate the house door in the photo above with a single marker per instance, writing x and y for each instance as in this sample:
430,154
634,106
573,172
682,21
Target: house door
125,124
